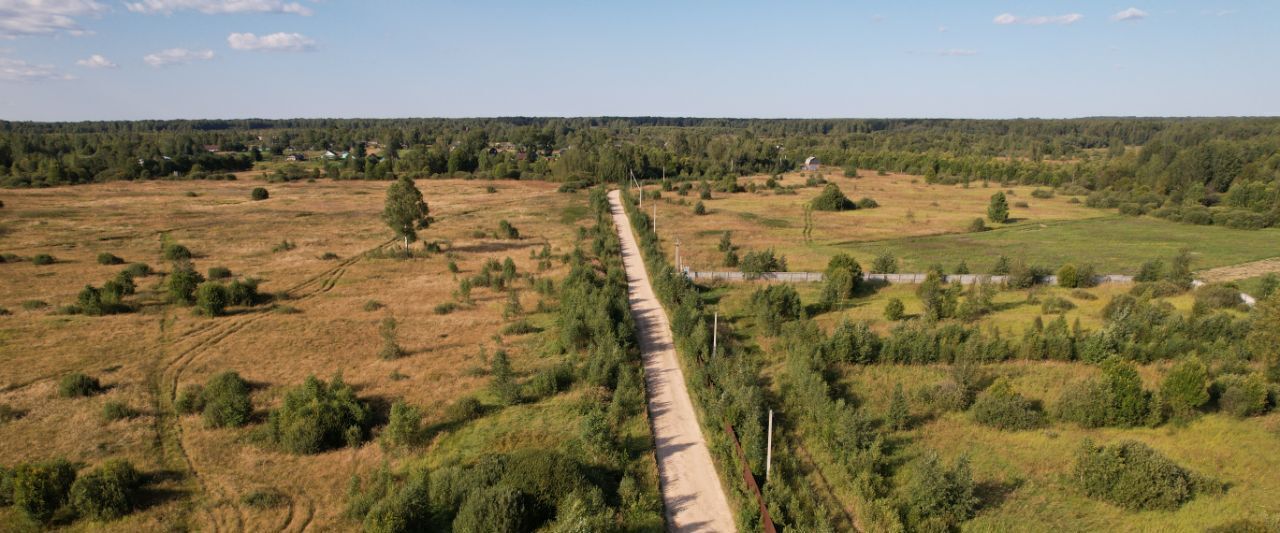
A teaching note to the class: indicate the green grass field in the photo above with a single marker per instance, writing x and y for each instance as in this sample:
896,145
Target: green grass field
1115,245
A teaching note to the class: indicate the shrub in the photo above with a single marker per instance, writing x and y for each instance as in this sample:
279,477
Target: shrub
832,199
283,246
78,385
445,308
318,416
40,489
1067,277
978,225
329,256
32,305
1186,387
1085,403
497,509
243,292
1081,294
372,305
265,499
1218,296
108,492
175,252
699,208
894,310
884,264
42,259
520,327
1042,193
112,411
938,498
1054,305
998,209
137,270
181,284
842,277
463,410
190,399
503,379
775,305
1021,204
404,426
259,193
1133,476
867,203
226,401
211,299
219,272
390,347
507,231
1241,396
754,264
106,258
1003,408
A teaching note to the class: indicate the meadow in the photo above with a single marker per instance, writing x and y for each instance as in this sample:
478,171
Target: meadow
923,224
321,249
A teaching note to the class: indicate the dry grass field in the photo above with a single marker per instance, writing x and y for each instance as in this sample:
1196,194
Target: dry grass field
319,326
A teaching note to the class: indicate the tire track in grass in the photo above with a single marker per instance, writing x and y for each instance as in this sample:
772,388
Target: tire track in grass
210,337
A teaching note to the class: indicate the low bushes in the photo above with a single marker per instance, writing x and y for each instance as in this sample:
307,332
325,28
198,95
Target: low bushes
78,385
40,489
107,492
1241,396
832,199
259,193
225,401
175,252
1001,407
42,259
1133,476
775,305
106,258
318,416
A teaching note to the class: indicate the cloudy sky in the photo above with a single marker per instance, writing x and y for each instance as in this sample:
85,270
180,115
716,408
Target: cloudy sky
132,59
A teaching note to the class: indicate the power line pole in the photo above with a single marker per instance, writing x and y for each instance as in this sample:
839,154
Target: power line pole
715,335
768,454
655,216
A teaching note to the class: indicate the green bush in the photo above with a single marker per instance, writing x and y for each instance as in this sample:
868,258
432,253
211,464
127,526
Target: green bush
78,385
112,411
937,498
493,510
699,208
40,489
226,401
894,310
42,259
106,258
259,193
464,410
175,252
190,400
1186,387
244,292
372,305
211,299
404,426
108,492
1218,296
1054,305
867,203
1001,407
507,231
1067,277
832,199
218,272
885,264
317,416
998,210
138,270
978,226
841,279
1086,403
1133,476
754,264
1241,396
181,283
390,346
775,305
265,499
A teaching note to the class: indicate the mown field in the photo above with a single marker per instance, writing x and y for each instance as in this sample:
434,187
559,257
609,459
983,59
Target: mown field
924,224
332,290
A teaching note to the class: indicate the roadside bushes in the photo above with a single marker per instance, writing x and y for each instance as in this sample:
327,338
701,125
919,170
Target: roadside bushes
1001,407
318,416
1131,475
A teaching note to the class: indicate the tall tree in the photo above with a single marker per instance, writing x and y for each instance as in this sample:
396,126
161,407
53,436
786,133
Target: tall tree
405,211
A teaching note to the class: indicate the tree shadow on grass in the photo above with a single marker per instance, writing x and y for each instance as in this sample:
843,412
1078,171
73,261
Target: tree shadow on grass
992,493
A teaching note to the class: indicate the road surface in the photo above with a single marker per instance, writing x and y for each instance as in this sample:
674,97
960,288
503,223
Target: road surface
691,491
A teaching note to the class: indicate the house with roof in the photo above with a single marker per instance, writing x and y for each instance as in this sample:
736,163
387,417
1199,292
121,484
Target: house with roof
811,163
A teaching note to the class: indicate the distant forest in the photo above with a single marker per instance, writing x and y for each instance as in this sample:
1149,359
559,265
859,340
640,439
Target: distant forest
1197,170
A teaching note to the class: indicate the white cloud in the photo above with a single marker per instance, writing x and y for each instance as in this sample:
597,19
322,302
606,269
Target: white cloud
17,70
1220,12
1132,13
942,29
96,61
177,56
1010,18
957,52
277,42
44,17
218,7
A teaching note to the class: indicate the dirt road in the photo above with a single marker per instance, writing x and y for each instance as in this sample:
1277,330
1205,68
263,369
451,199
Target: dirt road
691,490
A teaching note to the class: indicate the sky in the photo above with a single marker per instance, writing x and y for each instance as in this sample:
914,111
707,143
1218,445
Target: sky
69,60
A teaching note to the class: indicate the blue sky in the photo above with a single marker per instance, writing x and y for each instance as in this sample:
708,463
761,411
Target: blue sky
137,59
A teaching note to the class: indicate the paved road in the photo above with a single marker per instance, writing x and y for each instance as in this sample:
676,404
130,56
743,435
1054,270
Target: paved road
691,490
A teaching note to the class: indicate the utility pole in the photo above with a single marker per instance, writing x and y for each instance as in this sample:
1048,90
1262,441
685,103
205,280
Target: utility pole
679,267
768,454
639,189
715,334
655,217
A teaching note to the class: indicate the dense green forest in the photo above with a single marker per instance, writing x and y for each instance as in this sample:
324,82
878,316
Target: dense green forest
1197,170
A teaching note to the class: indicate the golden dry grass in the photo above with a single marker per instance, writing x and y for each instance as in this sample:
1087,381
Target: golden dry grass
143,355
